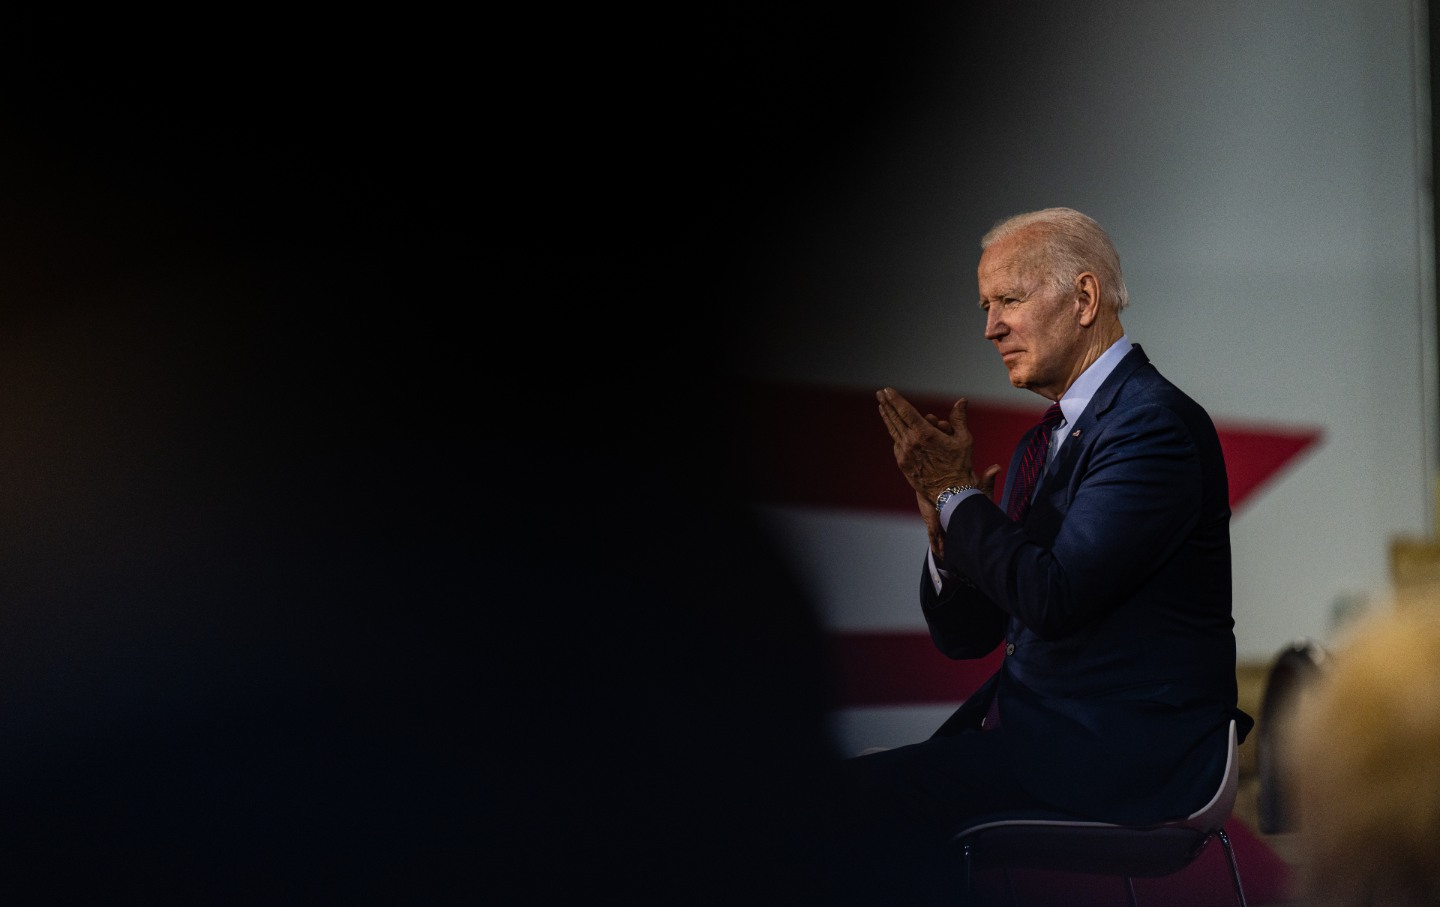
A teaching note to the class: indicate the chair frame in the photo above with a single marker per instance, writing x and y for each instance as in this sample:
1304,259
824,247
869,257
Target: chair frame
1103,848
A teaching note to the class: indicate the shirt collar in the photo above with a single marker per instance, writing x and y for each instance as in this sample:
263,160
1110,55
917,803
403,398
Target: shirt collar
1077,397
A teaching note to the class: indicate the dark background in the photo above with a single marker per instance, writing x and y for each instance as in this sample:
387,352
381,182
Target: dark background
367,511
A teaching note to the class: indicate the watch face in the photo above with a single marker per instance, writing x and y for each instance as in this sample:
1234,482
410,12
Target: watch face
947,494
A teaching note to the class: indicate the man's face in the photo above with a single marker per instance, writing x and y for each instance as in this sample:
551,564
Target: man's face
1035,329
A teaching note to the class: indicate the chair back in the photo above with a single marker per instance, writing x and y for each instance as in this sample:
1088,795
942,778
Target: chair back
1213,815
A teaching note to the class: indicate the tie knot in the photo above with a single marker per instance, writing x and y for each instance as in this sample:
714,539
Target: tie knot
1053,416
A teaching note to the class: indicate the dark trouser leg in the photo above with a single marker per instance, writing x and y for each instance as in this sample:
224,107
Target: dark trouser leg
897,810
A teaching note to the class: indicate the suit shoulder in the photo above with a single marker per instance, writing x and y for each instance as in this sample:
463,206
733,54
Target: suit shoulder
1147,382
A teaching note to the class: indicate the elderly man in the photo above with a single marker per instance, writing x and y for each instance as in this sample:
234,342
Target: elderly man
1104,572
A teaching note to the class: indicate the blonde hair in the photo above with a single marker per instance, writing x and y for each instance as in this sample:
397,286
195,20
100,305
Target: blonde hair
1071,244
1363,760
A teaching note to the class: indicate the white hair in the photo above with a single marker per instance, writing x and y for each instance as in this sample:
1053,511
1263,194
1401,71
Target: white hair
1072,243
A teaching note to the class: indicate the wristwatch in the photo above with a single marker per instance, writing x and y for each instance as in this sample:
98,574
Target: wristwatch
949,493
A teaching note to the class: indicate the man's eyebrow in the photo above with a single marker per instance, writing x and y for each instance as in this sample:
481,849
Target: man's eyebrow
1006,293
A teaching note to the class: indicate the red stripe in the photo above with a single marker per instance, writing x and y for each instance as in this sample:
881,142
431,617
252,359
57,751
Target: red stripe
903,668
1255,454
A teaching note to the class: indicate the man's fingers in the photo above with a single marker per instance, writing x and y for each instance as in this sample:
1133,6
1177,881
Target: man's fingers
987,481
897,412
957,413
891,402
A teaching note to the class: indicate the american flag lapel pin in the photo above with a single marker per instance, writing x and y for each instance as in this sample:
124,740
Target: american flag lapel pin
1075,433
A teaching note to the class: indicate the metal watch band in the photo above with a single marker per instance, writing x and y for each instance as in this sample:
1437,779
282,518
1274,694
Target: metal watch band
949,493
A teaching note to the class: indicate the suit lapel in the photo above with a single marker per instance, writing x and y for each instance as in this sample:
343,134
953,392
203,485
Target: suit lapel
1100,404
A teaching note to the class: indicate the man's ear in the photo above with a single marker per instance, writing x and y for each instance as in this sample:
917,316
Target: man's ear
1087,298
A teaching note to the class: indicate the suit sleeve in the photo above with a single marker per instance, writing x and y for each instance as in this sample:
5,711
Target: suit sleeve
963,621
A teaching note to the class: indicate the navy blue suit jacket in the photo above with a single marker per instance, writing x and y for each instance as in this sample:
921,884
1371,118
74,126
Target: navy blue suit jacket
1116,596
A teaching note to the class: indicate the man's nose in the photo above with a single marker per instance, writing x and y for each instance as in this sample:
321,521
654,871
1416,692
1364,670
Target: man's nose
995,326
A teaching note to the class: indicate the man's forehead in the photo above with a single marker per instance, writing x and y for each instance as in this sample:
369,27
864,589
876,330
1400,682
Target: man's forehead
1005,273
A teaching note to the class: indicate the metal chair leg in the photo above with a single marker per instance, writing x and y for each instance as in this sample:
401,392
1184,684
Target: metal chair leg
1234,867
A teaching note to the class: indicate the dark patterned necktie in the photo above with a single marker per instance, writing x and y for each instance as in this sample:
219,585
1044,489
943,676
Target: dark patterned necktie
1032,463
